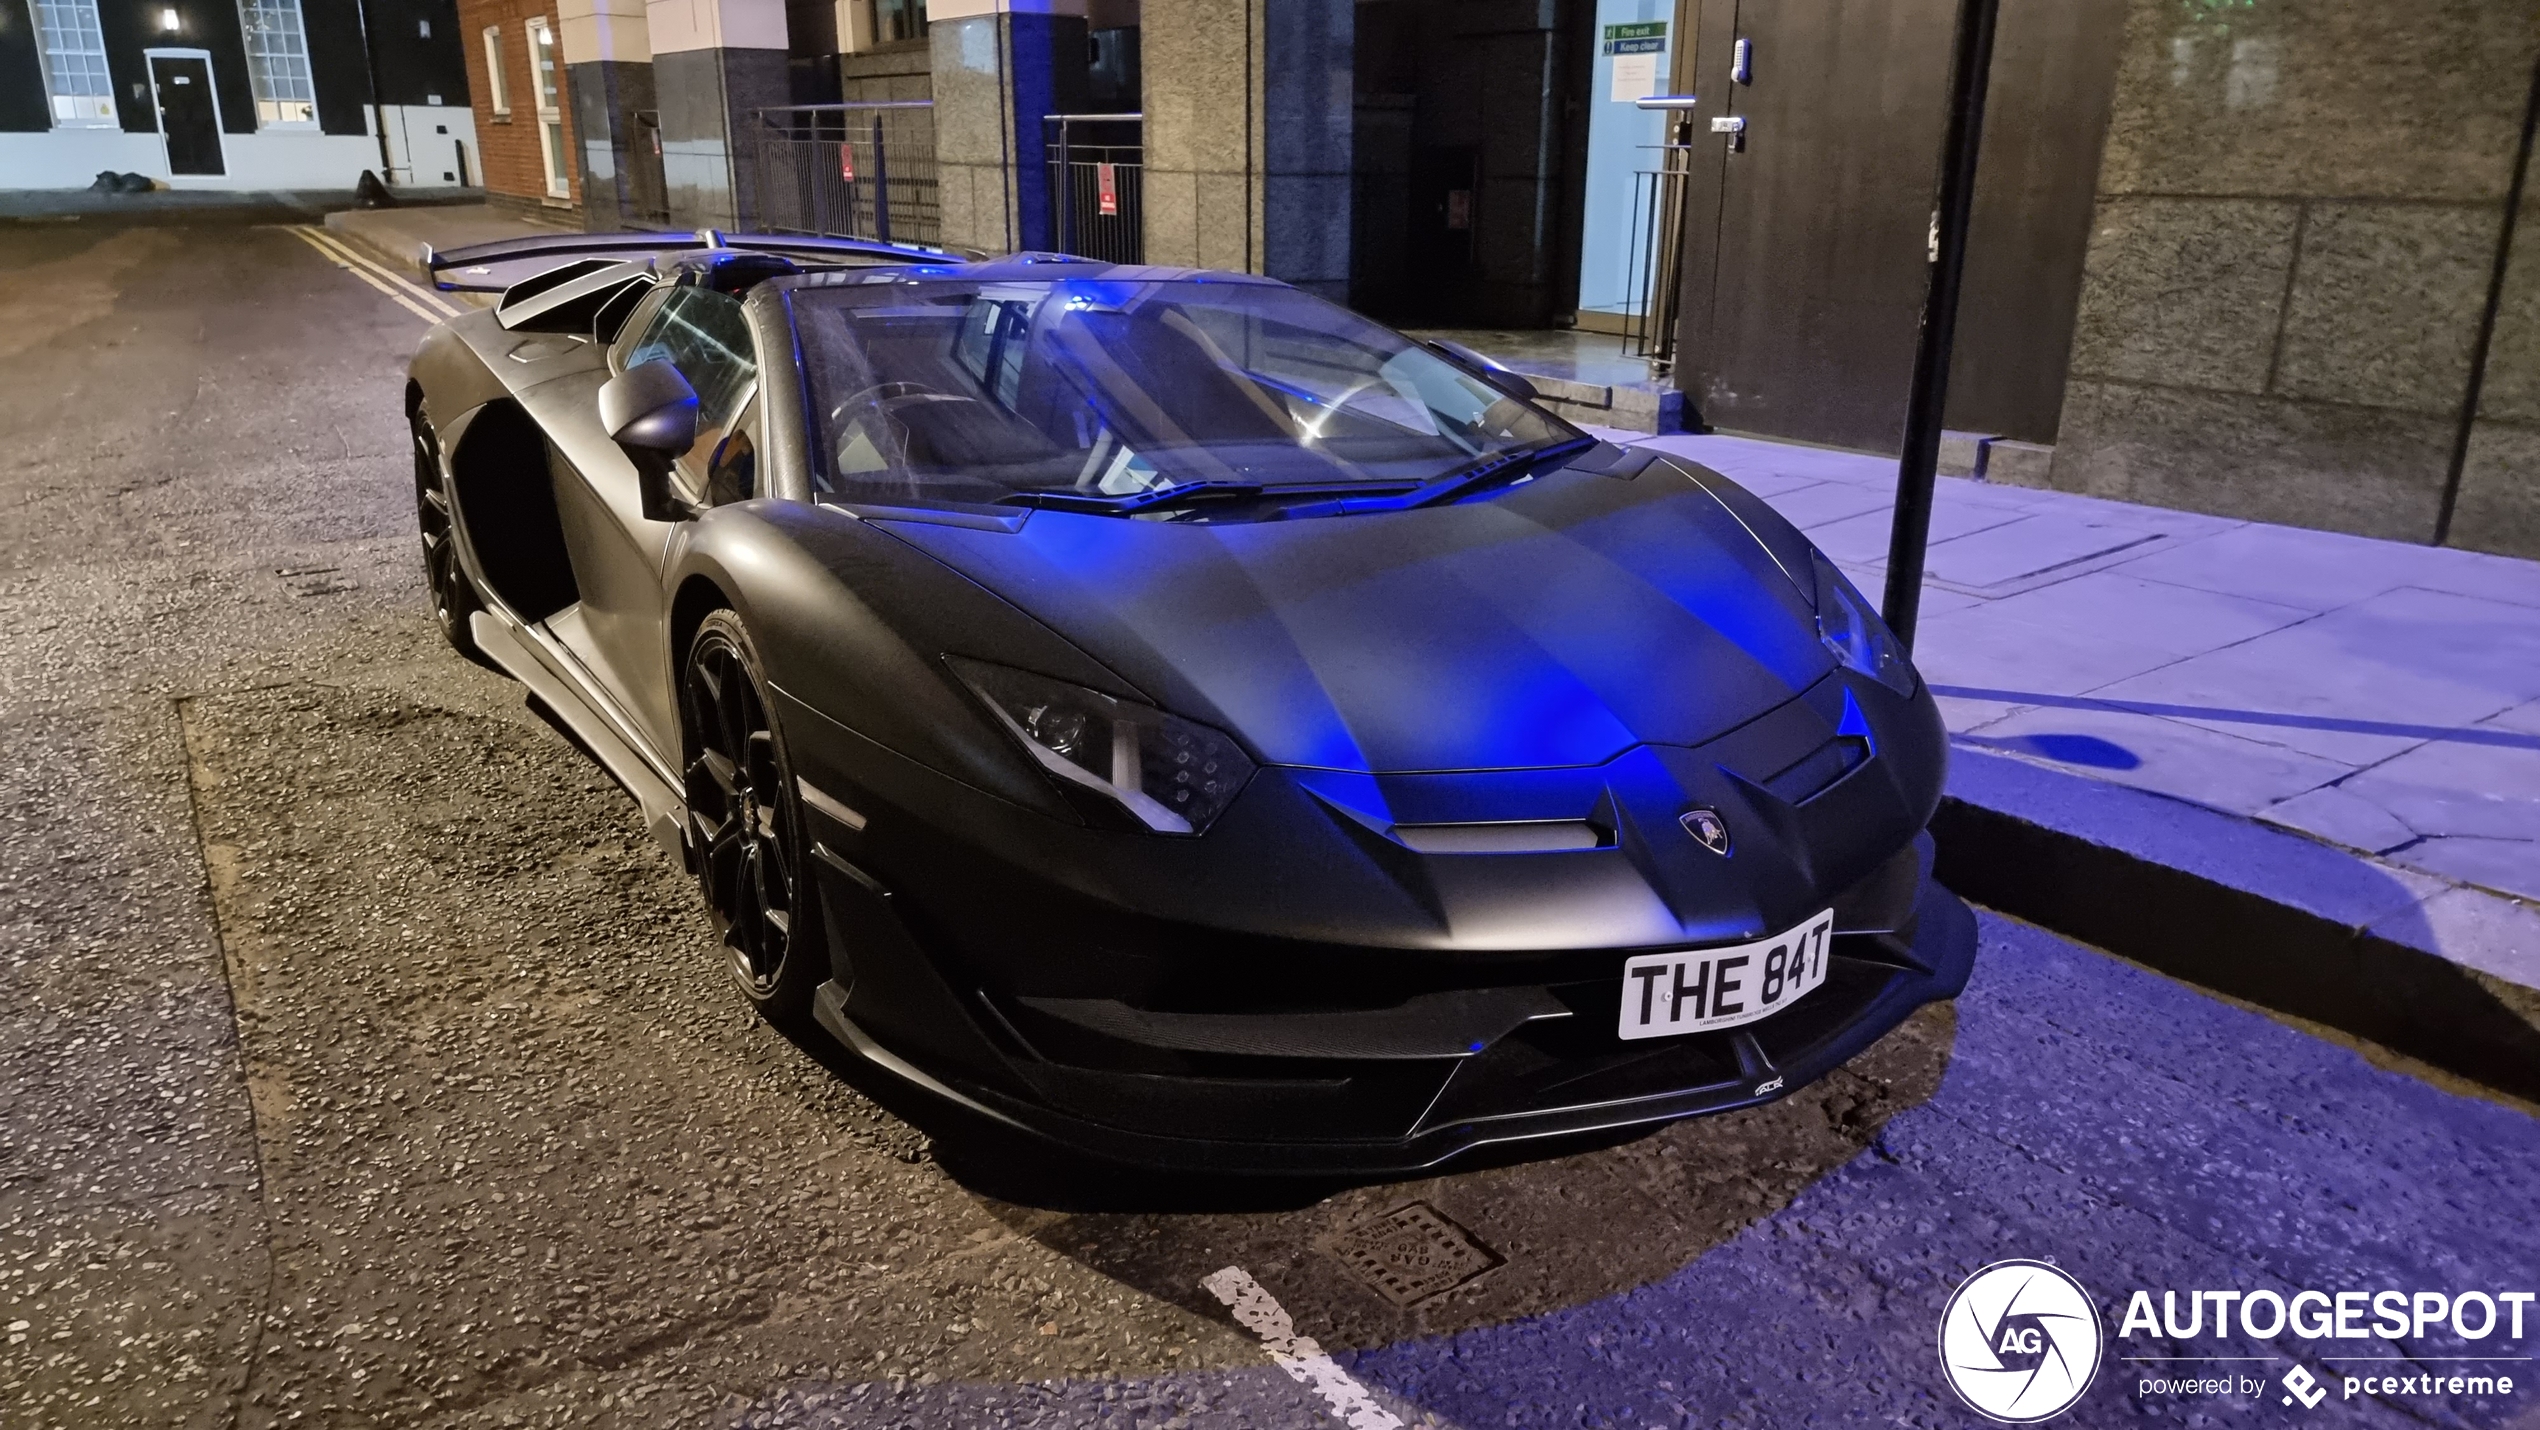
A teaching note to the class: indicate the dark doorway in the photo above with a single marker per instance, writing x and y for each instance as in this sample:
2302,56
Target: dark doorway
187,115
1808,229
1467,176
1443,195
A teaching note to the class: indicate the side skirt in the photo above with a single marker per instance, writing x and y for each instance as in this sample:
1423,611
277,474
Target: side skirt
512,648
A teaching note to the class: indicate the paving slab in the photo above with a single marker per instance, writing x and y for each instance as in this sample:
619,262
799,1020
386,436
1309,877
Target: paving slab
2005,552
2368,681
1981,645
2340,816
1825,503
2229,773
2315,570
1864,537
2182,620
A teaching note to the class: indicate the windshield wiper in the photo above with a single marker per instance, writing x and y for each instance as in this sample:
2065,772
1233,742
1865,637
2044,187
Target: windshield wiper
1175,495
1505,467
1462,482
1184,494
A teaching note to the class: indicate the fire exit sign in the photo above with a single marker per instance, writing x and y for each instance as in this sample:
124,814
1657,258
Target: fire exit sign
1646,38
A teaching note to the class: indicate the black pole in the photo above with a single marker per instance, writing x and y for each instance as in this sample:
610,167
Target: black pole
378,109
881,184
1970,68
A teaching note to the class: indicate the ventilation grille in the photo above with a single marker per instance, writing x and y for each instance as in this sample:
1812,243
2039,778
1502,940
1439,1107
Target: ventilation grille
1819,769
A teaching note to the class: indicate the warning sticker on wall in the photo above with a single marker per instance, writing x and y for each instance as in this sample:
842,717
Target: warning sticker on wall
1635,50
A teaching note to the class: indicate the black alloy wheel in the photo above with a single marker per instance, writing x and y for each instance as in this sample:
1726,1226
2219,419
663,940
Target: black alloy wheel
454,597
744,825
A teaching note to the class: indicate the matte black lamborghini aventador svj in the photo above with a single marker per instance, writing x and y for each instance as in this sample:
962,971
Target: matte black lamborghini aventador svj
1168,713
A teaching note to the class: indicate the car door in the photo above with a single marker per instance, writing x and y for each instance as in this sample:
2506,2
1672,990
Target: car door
617,555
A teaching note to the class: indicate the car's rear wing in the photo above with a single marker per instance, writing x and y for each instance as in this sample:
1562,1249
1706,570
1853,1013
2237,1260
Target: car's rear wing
493,267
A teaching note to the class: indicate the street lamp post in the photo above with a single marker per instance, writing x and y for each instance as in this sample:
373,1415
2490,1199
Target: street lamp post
1970,68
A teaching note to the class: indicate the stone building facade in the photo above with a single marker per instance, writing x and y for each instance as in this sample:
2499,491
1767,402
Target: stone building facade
2297,304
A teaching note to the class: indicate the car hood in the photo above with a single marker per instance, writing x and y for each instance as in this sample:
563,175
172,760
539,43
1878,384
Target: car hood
1558,623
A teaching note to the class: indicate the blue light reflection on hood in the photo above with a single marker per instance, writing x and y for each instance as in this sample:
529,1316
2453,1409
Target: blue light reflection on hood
1560,623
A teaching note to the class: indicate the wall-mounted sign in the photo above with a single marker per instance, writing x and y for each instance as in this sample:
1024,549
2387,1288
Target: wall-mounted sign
1636,49
1647,38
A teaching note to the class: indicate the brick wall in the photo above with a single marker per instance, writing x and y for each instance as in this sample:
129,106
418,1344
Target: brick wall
511,162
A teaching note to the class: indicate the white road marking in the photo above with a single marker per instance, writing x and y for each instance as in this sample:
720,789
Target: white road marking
422,302
1260,1313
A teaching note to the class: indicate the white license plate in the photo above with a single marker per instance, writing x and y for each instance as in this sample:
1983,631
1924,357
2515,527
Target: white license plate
1695,990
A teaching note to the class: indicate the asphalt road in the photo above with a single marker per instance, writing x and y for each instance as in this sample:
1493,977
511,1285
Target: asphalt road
361,1064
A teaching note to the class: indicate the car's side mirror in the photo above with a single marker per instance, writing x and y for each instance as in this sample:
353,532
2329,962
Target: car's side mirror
650,412
650,408
1512,383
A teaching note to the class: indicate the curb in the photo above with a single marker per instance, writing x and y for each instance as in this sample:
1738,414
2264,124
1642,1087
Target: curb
2443,974
407,259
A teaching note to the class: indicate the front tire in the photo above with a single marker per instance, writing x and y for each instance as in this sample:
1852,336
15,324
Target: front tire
454,597
746,824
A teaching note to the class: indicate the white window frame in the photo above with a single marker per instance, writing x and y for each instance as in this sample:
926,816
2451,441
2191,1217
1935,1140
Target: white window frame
551,145
66,110
498,95
265,66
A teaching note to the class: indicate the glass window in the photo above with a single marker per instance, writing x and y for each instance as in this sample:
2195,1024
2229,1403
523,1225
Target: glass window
945,390
278,63
705,336
497,94
548,76
900,19
542,59
74,50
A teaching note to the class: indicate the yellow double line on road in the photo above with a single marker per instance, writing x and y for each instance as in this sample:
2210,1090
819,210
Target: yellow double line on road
423,302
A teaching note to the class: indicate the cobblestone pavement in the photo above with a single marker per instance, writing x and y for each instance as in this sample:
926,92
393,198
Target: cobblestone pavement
362,1065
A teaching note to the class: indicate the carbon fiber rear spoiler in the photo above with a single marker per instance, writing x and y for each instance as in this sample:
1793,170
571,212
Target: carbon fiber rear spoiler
493,267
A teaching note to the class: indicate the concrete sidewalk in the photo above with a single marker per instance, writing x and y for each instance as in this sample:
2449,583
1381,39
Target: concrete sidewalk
2345,729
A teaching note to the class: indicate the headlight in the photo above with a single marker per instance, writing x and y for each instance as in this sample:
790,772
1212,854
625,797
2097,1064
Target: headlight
1174,775
1854,632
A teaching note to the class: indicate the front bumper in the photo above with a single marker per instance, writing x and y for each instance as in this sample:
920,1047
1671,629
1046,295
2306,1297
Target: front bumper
1237,1109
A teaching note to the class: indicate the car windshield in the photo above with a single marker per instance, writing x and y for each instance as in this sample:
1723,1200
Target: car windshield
1101,392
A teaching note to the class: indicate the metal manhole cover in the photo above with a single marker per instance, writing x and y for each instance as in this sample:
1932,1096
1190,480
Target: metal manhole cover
1410,1253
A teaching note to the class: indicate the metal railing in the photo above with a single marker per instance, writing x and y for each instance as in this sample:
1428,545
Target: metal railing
1657,264
1658,217
1097,174
847,171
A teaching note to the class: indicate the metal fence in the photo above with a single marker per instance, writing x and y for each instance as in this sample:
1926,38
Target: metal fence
1097,174
847,171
